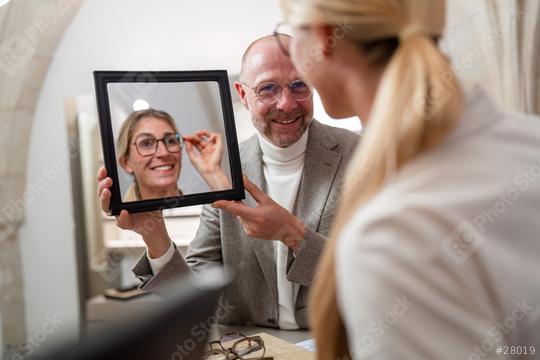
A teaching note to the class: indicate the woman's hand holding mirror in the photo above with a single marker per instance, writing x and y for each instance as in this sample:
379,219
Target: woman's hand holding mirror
150,225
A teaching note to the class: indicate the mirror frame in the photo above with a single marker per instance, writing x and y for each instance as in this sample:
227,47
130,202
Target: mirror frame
102,78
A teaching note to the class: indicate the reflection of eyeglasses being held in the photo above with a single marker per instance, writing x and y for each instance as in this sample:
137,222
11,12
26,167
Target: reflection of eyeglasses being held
205,150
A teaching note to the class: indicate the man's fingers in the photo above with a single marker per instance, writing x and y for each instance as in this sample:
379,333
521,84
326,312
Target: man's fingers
225,205
237,208
254,190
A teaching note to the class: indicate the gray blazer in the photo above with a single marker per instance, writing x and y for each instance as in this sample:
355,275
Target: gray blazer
252,298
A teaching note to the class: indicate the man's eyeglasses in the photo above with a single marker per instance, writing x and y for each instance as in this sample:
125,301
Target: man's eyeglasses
282,32
270,92
146,145
242,348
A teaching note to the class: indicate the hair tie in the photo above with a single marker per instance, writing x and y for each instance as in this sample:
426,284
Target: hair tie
412,30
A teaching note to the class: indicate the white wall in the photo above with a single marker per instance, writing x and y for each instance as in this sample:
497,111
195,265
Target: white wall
112,35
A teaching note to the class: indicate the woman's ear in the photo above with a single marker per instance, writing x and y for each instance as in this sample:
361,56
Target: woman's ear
125,165
324,36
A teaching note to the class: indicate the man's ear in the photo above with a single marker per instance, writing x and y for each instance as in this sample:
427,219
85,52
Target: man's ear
125,165
326,38
241,93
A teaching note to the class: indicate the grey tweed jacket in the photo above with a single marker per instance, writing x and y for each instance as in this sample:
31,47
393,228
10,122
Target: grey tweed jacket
252,298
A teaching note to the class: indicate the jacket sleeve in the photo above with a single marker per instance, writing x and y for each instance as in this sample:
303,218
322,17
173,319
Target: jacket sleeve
203,252
302,269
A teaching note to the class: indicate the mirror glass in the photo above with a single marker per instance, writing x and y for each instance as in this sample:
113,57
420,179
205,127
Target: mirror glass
169,139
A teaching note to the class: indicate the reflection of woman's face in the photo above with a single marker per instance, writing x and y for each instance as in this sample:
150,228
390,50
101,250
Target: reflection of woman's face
156,174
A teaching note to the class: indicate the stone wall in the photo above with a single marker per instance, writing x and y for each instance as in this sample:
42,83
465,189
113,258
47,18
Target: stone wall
29,33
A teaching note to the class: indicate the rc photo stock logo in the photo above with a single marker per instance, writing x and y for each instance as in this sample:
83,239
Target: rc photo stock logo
19,47
462,242
15,52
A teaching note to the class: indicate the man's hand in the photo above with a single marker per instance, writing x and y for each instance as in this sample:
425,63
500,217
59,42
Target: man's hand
268,220
149,225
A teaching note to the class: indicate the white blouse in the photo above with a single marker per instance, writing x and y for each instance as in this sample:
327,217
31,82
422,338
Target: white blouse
444,262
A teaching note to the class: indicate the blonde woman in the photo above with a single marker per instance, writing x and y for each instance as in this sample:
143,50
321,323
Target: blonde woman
150,148
435,250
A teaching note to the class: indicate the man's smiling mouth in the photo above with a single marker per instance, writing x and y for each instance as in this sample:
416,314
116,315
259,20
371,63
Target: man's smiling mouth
287,122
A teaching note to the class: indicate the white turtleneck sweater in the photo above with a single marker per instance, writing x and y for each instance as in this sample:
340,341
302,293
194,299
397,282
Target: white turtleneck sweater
283,169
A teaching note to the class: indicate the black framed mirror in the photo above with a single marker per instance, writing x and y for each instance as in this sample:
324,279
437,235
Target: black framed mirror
169,138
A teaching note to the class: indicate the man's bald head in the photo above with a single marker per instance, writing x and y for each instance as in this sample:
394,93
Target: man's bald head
260,41
267,69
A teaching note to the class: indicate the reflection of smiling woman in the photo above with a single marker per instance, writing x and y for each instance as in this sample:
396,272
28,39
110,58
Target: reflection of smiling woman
149,148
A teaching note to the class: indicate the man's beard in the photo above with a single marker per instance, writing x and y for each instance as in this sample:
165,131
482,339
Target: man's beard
265,126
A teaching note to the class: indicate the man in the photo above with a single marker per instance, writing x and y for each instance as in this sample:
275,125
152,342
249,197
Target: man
272,241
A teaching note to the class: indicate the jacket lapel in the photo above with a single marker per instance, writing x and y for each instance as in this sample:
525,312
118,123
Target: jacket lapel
320,166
